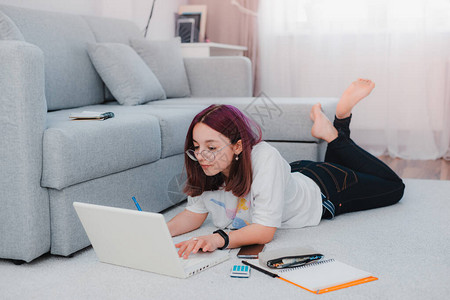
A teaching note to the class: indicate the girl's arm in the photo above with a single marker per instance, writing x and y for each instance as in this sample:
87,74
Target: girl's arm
251,234
185,221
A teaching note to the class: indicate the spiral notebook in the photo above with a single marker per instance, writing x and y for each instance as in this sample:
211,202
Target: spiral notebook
324,276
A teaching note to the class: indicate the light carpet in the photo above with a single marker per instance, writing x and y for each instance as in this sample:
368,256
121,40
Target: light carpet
405,245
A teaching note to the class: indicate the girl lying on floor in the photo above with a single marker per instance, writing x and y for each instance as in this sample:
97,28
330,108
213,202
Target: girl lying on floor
247,186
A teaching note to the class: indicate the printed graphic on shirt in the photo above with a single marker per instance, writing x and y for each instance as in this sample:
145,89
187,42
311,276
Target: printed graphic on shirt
231,213
242,204
240,215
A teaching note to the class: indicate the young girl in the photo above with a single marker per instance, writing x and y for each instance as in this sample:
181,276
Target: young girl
249,188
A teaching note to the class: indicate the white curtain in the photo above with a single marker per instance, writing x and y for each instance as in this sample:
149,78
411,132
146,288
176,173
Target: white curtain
315,48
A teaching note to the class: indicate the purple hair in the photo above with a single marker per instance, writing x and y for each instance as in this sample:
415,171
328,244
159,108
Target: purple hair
233,124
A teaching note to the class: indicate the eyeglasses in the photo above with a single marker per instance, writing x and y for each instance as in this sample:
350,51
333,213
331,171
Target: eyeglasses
207,154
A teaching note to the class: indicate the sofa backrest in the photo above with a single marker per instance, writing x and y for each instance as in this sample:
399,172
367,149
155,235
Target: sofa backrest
70,78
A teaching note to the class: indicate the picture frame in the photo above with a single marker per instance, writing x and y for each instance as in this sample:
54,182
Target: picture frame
198,13
185,29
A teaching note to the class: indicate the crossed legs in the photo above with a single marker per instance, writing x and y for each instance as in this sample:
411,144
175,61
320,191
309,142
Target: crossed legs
360,180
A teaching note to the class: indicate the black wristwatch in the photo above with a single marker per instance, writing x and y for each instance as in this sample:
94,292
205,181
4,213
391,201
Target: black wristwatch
225,237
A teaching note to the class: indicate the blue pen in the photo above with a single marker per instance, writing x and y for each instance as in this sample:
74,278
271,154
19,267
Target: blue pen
136,203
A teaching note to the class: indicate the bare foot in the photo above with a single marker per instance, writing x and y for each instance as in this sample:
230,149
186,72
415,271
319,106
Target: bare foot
322,127
358,90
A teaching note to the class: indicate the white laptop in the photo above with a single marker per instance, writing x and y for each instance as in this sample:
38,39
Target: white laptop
139,240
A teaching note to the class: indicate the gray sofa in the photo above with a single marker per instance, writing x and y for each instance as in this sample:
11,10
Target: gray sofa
47,161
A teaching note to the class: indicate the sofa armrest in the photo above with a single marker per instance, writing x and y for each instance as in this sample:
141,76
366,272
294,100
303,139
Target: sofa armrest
24,213
220,76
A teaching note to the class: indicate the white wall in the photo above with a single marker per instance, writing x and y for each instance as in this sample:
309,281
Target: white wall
162,25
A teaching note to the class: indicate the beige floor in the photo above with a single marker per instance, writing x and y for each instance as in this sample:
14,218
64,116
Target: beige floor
422,169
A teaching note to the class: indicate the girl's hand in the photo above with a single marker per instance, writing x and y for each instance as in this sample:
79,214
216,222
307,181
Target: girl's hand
206,243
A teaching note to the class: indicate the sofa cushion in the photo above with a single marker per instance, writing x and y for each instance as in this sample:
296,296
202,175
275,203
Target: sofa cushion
70,77
219,76
112,31
165,60
9,30
128,78
281,119
77,151
174,121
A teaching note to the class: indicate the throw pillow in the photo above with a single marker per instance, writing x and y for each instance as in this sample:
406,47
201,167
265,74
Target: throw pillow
165,60
125,74
9,30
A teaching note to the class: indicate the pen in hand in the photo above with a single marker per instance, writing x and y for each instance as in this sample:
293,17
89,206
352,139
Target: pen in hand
136,203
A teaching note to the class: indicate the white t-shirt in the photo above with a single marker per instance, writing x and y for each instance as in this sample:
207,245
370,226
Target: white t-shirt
278,198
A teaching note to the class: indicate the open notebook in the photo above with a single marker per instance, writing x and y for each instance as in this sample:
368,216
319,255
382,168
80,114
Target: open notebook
323,276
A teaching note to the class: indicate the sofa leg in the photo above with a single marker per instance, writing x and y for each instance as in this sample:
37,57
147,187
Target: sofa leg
18,262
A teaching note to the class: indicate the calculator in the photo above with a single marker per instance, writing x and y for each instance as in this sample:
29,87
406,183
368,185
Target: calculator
240,271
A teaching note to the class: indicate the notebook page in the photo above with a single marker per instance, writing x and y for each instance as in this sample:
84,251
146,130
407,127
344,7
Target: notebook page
324,274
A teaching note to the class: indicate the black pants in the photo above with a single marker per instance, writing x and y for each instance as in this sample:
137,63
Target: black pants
351,178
